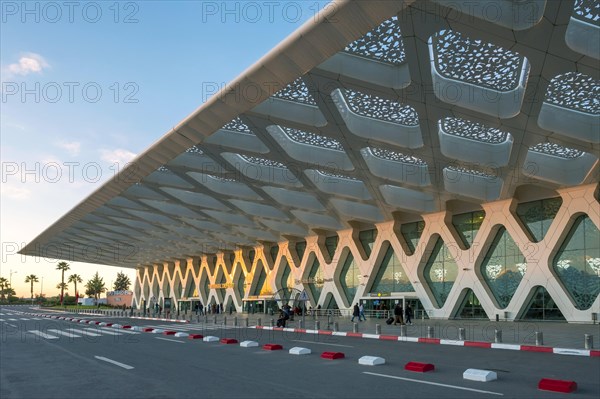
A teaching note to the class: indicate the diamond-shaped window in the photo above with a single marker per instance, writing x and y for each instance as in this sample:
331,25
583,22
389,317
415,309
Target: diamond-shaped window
367,239
537,216
542,307
350,278
331,245
260,284
577,263
467,225
440,272
412,233
471,308
316,280
503,267
391,276
287,277
300,249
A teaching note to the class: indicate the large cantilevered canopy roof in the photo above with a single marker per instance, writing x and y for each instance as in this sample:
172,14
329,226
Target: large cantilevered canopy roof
370,110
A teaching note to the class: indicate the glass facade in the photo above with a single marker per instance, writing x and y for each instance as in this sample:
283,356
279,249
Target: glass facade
287,278
240,283
259,286
221,279
274,251
440,272
350,278
316,280
391,276
537,216
412,233
503,267
251,256
204,284
542,307
367,239
300,249
331,244
467,225
577,263
471,307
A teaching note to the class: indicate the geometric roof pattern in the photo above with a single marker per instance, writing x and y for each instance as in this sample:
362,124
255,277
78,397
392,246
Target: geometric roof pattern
398,107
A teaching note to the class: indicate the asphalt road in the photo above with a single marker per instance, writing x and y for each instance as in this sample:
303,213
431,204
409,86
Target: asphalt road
92,362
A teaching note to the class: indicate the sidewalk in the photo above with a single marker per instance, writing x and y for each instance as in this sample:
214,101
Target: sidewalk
555,334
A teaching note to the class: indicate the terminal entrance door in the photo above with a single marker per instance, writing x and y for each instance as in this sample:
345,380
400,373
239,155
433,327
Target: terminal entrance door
252,306
383,307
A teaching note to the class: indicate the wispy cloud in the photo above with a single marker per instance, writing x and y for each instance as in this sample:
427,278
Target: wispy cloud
28,63
72,147
118,155
10,191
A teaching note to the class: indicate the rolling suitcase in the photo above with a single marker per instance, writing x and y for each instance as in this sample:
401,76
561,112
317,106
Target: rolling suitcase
389,321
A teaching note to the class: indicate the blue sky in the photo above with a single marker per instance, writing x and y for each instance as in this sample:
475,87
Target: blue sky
87,87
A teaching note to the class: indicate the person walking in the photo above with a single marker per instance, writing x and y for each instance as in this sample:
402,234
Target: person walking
361,312
355,313
408,314
398,314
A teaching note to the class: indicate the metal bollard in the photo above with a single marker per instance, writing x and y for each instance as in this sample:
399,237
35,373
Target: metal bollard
498,336
206,318
301,324
429,332
224,320
259,322
589,341
403,330
215,319
377,328
539,338
272,322
235,321
355,327
336,326
317,325
247,322
462,336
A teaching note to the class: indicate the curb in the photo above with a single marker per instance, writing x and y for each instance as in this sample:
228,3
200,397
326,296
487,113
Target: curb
438,341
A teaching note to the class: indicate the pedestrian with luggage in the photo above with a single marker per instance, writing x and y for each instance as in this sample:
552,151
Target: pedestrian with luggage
361,313
398,314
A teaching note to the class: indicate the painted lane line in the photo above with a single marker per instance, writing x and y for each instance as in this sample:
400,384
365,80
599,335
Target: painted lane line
41,334
121,331
170,340
12,325
433,383
104,359
68,334
322,343
89,333
103,331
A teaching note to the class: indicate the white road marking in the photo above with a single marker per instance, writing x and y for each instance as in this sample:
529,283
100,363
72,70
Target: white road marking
433,383
104,359
171,340
12,319
89,333
120,330
103,331
322,343
41,334
12,325
69,334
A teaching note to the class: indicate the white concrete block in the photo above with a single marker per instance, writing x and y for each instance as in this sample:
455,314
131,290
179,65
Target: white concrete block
371,336
136,328
480,375
371,361
103,324
182,335
157,331
248,344
82,321
297,350
116,326
210,338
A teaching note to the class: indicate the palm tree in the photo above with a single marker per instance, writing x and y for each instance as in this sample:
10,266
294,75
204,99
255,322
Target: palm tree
63,266
62,287
95,286
3,285
75,278
32,278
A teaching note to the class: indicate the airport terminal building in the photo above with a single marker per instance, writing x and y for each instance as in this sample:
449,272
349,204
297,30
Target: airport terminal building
442,154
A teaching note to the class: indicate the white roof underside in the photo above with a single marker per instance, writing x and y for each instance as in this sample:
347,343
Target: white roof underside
373,109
